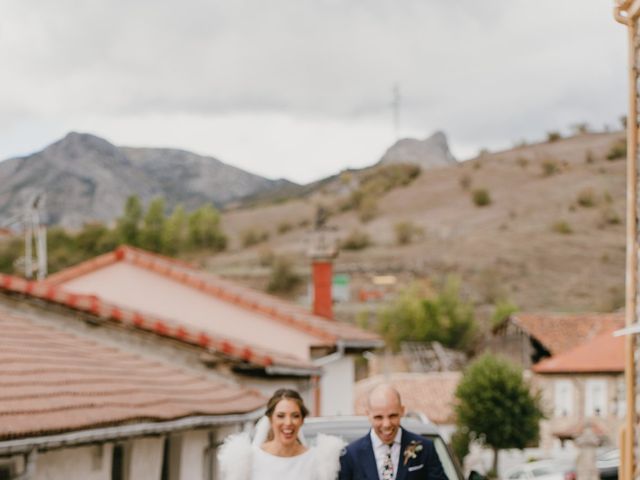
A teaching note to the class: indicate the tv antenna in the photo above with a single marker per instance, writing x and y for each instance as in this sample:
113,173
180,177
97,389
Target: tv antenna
35,236
396,109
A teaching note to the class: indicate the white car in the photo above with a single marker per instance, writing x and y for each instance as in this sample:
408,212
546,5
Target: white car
542,470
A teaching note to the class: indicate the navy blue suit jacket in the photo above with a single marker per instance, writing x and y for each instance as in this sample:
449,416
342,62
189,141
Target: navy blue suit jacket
358,461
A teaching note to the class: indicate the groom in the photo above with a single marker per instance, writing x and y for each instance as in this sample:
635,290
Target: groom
388,452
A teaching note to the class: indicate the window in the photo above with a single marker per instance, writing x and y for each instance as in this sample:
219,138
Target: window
120,461
563,398
171,458
595,398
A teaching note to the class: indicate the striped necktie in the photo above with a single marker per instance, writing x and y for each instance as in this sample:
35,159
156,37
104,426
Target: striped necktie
387,466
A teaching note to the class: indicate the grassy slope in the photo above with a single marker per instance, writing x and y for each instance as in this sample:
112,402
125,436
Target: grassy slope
507,249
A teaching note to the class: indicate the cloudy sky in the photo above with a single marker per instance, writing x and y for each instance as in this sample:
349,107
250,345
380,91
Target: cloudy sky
304,88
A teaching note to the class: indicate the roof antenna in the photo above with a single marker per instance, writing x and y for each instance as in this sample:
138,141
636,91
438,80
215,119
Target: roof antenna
35,231
396,109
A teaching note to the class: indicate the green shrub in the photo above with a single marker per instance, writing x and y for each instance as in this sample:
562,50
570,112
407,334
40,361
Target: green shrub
481,197
549,167
553,136
406,232
356,240
283,278
562,227
284,227
253,236
368,209
522,162
617,150
586,198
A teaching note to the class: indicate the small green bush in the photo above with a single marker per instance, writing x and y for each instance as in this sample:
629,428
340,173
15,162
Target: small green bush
284,227
617,150
283,278
549,167
562,227
356,240
406,232
481,197
523,162
253,236
586,198
553,136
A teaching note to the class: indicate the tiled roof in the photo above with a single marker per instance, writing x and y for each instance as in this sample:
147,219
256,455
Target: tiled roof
93,305
274,308
431,394
561,332
52,381
602,354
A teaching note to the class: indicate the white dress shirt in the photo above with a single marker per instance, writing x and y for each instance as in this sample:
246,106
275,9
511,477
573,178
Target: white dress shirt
380,451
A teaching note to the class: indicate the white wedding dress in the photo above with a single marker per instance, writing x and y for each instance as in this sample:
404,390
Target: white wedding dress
266,466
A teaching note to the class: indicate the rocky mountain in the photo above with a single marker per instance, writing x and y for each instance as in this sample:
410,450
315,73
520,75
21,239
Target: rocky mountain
86,178
431,152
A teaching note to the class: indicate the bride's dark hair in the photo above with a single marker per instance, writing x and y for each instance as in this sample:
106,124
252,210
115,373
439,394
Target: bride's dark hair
282,394
289,394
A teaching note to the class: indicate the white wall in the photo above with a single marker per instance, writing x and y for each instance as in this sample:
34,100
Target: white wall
192,455
82,463
336,387
145,458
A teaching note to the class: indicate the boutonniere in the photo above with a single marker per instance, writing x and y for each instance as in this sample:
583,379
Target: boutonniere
411,451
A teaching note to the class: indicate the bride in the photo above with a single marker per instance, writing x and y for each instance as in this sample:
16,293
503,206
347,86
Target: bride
277,452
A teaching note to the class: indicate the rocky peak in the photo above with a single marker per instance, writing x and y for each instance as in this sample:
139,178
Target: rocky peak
431,152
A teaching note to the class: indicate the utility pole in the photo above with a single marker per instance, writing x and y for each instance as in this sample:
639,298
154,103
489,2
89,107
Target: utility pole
35,236
627,13
396,110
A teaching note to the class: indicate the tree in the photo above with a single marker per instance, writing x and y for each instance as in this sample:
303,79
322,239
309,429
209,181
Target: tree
94,239
128,225
444,317
283,278
204,229
496,406
175,234
153,226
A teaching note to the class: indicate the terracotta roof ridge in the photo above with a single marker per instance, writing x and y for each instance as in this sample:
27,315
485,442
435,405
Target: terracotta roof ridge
212,285
96,306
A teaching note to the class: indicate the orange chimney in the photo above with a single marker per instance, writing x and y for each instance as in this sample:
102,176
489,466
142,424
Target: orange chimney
322,280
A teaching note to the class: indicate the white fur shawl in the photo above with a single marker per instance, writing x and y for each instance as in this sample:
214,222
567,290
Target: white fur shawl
234,457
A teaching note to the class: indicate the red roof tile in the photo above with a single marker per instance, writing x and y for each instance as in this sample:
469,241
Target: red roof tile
559,332
602,354
92,304
52,381
276,309
431,394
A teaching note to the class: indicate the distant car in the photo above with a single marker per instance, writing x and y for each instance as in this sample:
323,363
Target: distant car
608,462
542,470
350,428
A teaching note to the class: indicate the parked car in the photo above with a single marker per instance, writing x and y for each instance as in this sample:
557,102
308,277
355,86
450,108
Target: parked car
608,462
350,428
542,470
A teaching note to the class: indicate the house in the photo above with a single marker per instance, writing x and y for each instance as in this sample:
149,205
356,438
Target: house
527,338
584,384
75,408
280,344
427,395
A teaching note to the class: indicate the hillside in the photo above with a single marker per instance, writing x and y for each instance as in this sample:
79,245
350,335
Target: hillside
552,237
86,178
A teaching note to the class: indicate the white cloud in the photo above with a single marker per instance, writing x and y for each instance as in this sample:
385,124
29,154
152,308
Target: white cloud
305,78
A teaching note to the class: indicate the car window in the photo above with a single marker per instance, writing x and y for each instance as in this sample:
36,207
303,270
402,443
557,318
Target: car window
445,458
